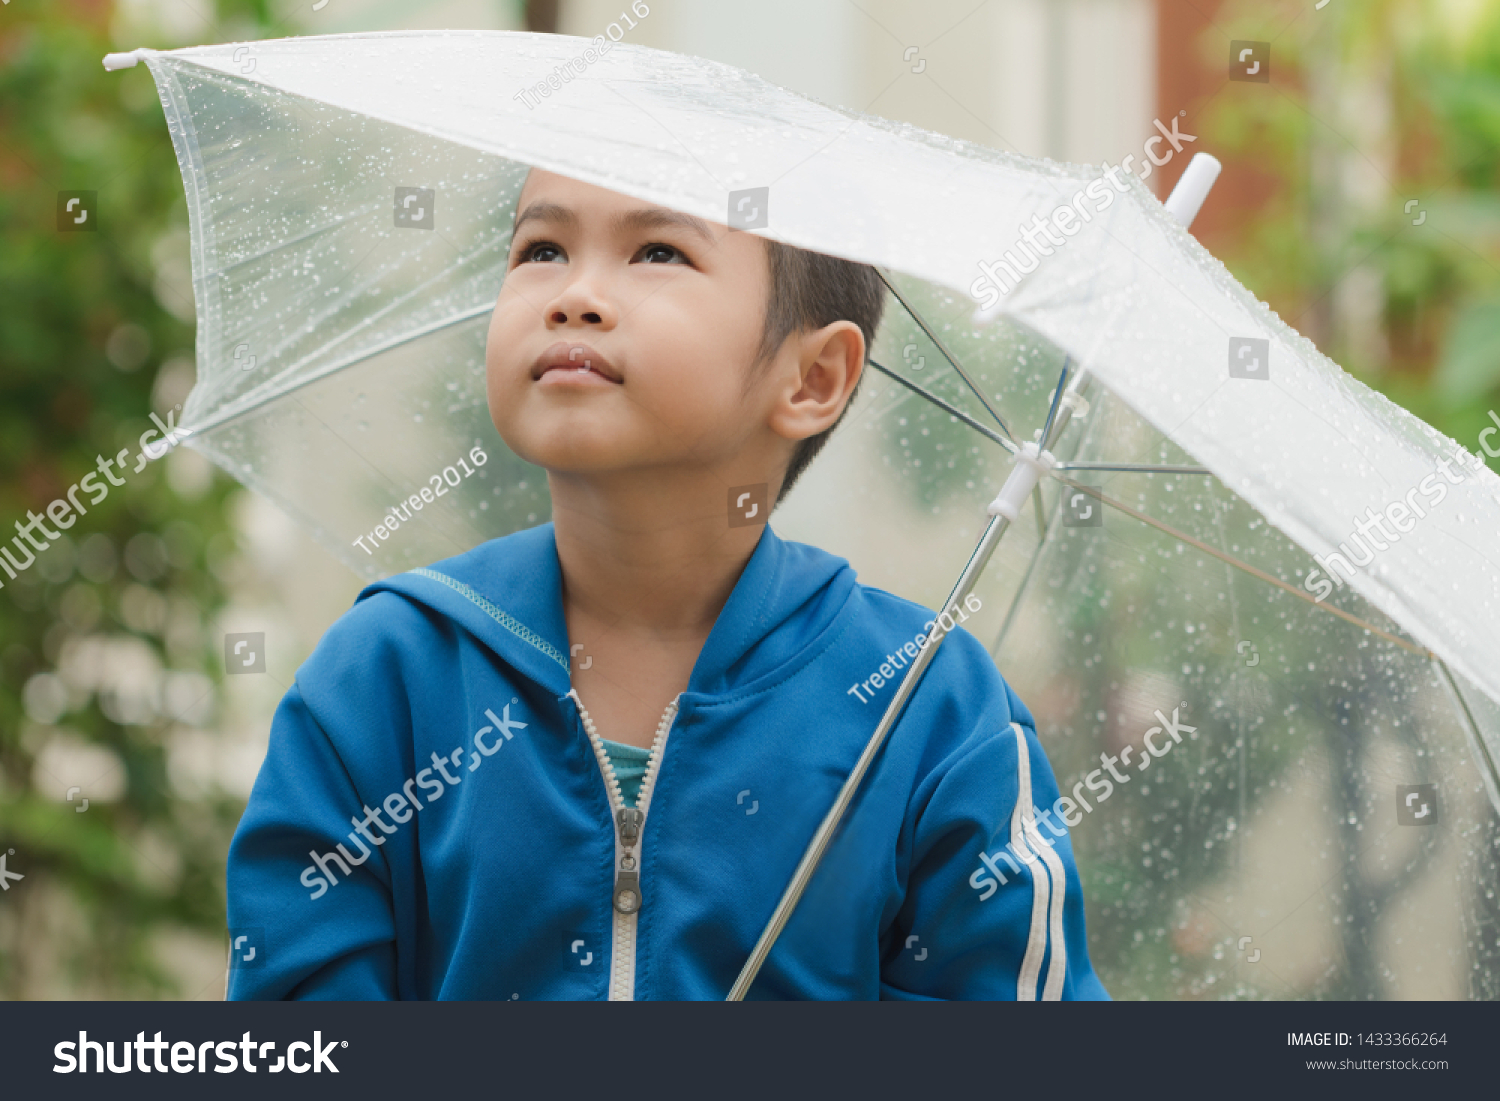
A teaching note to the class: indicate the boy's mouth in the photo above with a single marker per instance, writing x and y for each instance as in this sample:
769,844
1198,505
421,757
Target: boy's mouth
565,361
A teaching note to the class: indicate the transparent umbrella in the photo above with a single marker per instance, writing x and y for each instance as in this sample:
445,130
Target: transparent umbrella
1259,592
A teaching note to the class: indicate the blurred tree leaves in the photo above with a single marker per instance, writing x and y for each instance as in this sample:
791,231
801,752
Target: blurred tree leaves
1400,98
1470,368
87,322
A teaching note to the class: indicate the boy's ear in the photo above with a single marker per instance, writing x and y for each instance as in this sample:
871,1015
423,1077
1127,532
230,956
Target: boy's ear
829,363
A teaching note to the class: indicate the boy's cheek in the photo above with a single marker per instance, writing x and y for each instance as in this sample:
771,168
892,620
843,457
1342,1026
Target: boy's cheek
500,357
502,406
499,384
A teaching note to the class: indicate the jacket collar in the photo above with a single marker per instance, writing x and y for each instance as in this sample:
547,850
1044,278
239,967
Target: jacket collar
508,593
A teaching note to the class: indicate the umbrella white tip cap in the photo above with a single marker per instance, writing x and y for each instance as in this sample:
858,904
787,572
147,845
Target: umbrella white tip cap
122,61
1197,179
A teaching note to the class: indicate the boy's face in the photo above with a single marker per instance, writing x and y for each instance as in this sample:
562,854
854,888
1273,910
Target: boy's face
667,308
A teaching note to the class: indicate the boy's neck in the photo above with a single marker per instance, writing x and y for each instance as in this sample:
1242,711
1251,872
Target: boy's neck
645,562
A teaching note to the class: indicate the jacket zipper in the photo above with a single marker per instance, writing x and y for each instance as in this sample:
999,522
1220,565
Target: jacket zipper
630,823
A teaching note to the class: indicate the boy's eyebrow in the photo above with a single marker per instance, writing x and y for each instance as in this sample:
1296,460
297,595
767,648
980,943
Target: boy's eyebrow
656,217
545,212
644,218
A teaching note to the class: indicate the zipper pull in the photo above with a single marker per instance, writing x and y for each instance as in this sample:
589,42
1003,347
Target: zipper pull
628,892
629,819
628,880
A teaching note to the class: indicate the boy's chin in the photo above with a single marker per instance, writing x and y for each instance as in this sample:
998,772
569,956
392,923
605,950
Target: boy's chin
583,458
595,443
609,470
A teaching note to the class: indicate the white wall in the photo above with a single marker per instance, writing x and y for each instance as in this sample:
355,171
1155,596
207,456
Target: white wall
1067,79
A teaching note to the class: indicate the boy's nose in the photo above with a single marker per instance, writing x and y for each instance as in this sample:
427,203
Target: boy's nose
591,317
580,304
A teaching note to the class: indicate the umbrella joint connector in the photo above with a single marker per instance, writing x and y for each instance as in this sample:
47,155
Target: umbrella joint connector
1031,463
1033,459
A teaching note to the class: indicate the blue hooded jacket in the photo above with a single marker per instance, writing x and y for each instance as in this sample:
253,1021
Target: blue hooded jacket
435,817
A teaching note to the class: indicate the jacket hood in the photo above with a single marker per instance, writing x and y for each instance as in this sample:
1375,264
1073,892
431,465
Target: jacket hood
508,594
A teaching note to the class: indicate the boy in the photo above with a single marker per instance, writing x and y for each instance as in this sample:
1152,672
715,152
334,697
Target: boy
656,366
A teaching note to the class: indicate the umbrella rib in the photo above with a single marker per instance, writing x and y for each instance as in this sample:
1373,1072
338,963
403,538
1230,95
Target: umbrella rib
937,342
1136,468
943,405
373,207
1477,744
391,307
1044,530
309,235
1046,436
1245,566
233,414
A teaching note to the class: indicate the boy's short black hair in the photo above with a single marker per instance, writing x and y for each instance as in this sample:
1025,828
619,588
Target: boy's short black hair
809,290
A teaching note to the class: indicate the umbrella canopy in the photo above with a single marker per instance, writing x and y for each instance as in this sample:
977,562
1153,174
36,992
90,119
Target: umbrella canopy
351,198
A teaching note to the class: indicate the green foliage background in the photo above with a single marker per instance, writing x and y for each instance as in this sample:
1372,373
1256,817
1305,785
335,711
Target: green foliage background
101,883
1436,69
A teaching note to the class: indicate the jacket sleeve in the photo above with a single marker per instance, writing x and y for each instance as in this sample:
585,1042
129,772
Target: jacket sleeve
315,940
994,906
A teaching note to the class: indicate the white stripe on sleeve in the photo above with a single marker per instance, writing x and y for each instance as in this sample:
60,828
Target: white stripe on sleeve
1020,819
1057,966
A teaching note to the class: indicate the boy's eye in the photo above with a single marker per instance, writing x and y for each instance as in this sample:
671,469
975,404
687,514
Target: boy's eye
658,253
543,252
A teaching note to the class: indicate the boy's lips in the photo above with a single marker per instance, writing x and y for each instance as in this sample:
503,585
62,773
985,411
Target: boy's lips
573,361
